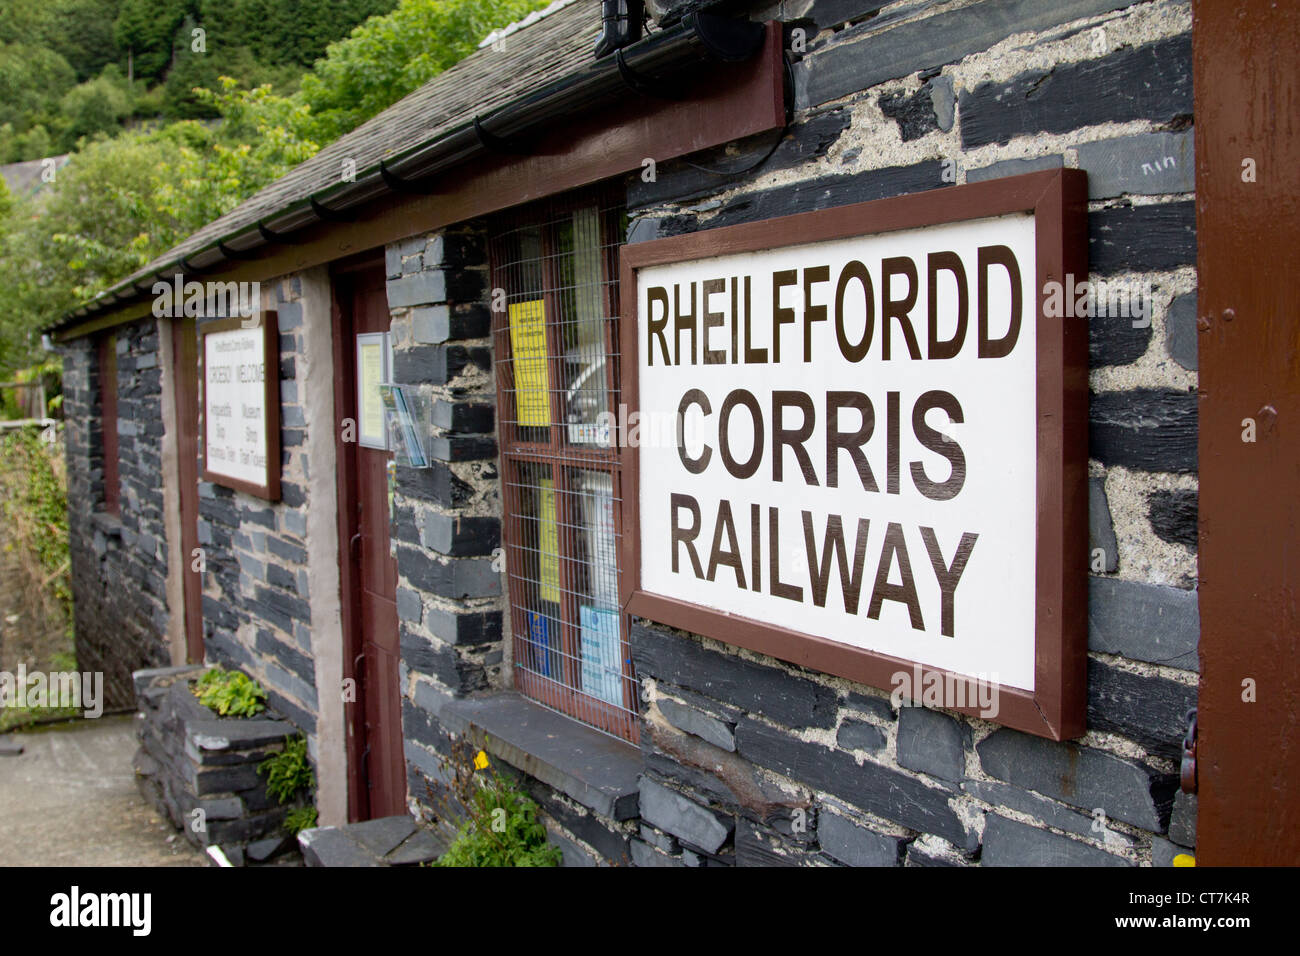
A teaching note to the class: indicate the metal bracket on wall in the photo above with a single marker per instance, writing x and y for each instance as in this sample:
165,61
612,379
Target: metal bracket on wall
241,254
188,269
272,236
1187,770
497,144
398,184
644,85
326,214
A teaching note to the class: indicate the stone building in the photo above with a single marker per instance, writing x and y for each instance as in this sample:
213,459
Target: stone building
468,578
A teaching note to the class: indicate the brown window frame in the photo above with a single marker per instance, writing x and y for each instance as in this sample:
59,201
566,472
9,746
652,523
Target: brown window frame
106,358
561,457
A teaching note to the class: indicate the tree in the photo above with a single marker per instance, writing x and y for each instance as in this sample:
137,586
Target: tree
32,79
280,32
193,68
96,106
388,57
258,141
81,31
146,28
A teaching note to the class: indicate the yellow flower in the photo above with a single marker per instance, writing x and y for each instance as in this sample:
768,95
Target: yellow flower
1184,859
480,761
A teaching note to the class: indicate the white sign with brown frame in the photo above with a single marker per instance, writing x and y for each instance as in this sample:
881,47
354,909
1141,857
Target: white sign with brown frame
240,435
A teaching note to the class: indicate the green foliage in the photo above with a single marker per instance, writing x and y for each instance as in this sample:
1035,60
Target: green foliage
15,404
230,693
80,31
500,829
387,57
101,220
299,819
16,146
34,537
34,503
257,144
279,32
96,106
32,80
191,69
289,771
146,28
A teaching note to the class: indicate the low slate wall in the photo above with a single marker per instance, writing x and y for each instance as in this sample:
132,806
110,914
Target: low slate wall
199,770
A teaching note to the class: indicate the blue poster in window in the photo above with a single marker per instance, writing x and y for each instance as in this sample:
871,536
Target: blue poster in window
539,643
602,659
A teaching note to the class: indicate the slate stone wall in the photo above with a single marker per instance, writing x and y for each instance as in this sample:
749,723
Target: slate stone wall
749,761
447,524
119,562
256,600
451,587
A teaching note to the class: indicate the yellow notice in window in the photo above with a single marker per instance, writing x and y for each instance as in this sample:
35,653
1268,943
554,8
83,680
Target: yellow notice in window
548,544
528,348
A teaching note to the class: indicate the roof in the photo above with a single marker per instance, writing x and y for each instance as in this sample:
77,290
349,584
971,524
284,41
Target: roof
535,53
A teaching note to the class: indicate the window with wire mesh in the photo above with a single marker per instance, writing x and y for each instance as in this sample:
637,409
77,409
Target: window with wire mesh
555,328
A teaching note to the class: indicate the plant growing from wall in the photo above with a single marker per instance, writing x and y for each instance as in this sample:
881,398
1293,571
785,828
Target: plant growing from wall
289,771
230,693
500,825
289,774
299,819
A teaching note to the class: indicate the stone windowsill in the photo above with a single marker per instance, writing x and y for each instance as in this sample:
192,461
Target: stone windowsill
592,768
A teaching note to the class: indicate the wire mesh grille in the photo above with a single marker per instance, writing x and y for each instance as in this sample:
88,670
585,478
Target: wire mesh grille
555,326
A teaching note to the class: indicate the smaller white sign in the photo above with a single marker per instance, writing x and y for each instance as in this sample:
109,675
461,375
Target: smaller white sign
234,404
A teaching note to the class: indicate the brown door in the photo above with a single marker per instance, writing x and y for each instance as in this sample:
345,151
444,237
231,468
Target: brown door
369,569
1247,83
185,364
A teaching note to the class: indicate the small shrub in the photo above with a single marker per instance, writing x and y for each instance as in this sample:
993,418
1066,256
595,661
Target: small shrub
230,693
501,828
299,819
289,771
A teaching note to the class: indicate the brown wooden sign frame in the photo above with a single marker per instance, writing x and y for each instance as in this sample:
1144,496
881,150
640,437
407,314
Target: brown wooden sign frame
1056,708
268,322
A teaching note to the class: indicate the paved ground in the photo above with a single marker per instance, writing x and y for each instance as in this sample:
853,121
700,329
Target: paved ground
70,799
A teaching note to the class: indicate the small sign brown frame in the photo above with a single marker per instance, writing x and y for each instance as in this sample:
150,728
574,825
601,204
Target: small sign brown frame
268,322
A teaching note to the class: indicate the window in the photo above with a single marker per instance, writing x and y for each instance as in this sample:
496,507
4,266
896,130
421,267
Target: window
107,358
554,272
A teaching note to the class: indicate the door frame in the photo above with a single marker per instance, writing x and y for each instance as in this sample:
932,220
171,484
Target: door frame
342,274
185,367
